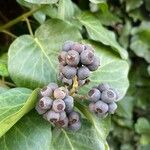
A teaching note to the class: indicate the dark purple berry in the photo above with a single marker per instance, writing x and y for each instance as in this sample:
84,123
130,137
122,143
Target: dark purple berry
108,96
67,46
45,102
58,105
77,47
73,117
46,91
103,86
69,102
72,58
62,58
88,47
83,73
94,95
112,107
39,109
75,126
87,57
62,123
69,72
95,64
52,116
101,107
62,115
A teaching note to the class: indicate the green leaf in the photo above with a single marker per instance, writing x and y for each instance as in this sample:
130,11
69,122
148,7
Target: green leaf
33,61
3,65
148,69
38,15
14,104
108,18
98,33
100,126
3,89
42,1
140,41
86,138
65,9
133,4
29,133
97,1
142,126
112,70
125,107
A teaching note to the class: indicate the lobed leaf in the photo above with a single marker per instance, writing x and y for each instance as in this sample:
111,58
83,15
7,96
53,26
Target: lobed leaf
98,33
31,132
33,61
14,104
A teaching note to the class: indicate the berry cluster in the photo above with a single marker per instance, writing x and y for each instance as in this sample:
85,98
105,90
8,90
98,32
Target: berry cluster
102,100
56,106
77,59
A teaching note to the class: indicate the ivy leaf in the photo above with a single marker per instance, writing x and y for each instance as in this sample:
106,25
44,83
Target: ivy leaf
14,104
39,15
148,69
112,70
65,9
36,57
98,1
133,4
3,65
140,41
85,138
30,132
42,2
142,126
98,33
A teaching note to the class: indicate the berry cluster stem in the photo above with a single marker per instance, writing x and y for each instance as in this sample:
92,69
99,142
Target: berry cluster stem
74,86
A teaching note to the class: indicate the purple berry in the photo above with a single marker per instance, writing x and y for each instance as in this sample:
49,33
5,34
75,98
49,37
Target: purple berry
87,57
46,91
112,107
83,73
45,102
77,47
52,116
59,93
101,107
94,95
67,46
88,47
95,64
75,126
69,102
103,86
69,72
72,58
39,109
58,105
73,117
108,96
62,115
62,123
62,58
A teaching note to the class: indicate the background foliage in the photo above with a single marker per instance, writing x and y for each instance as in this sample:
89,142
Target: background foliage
31,35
